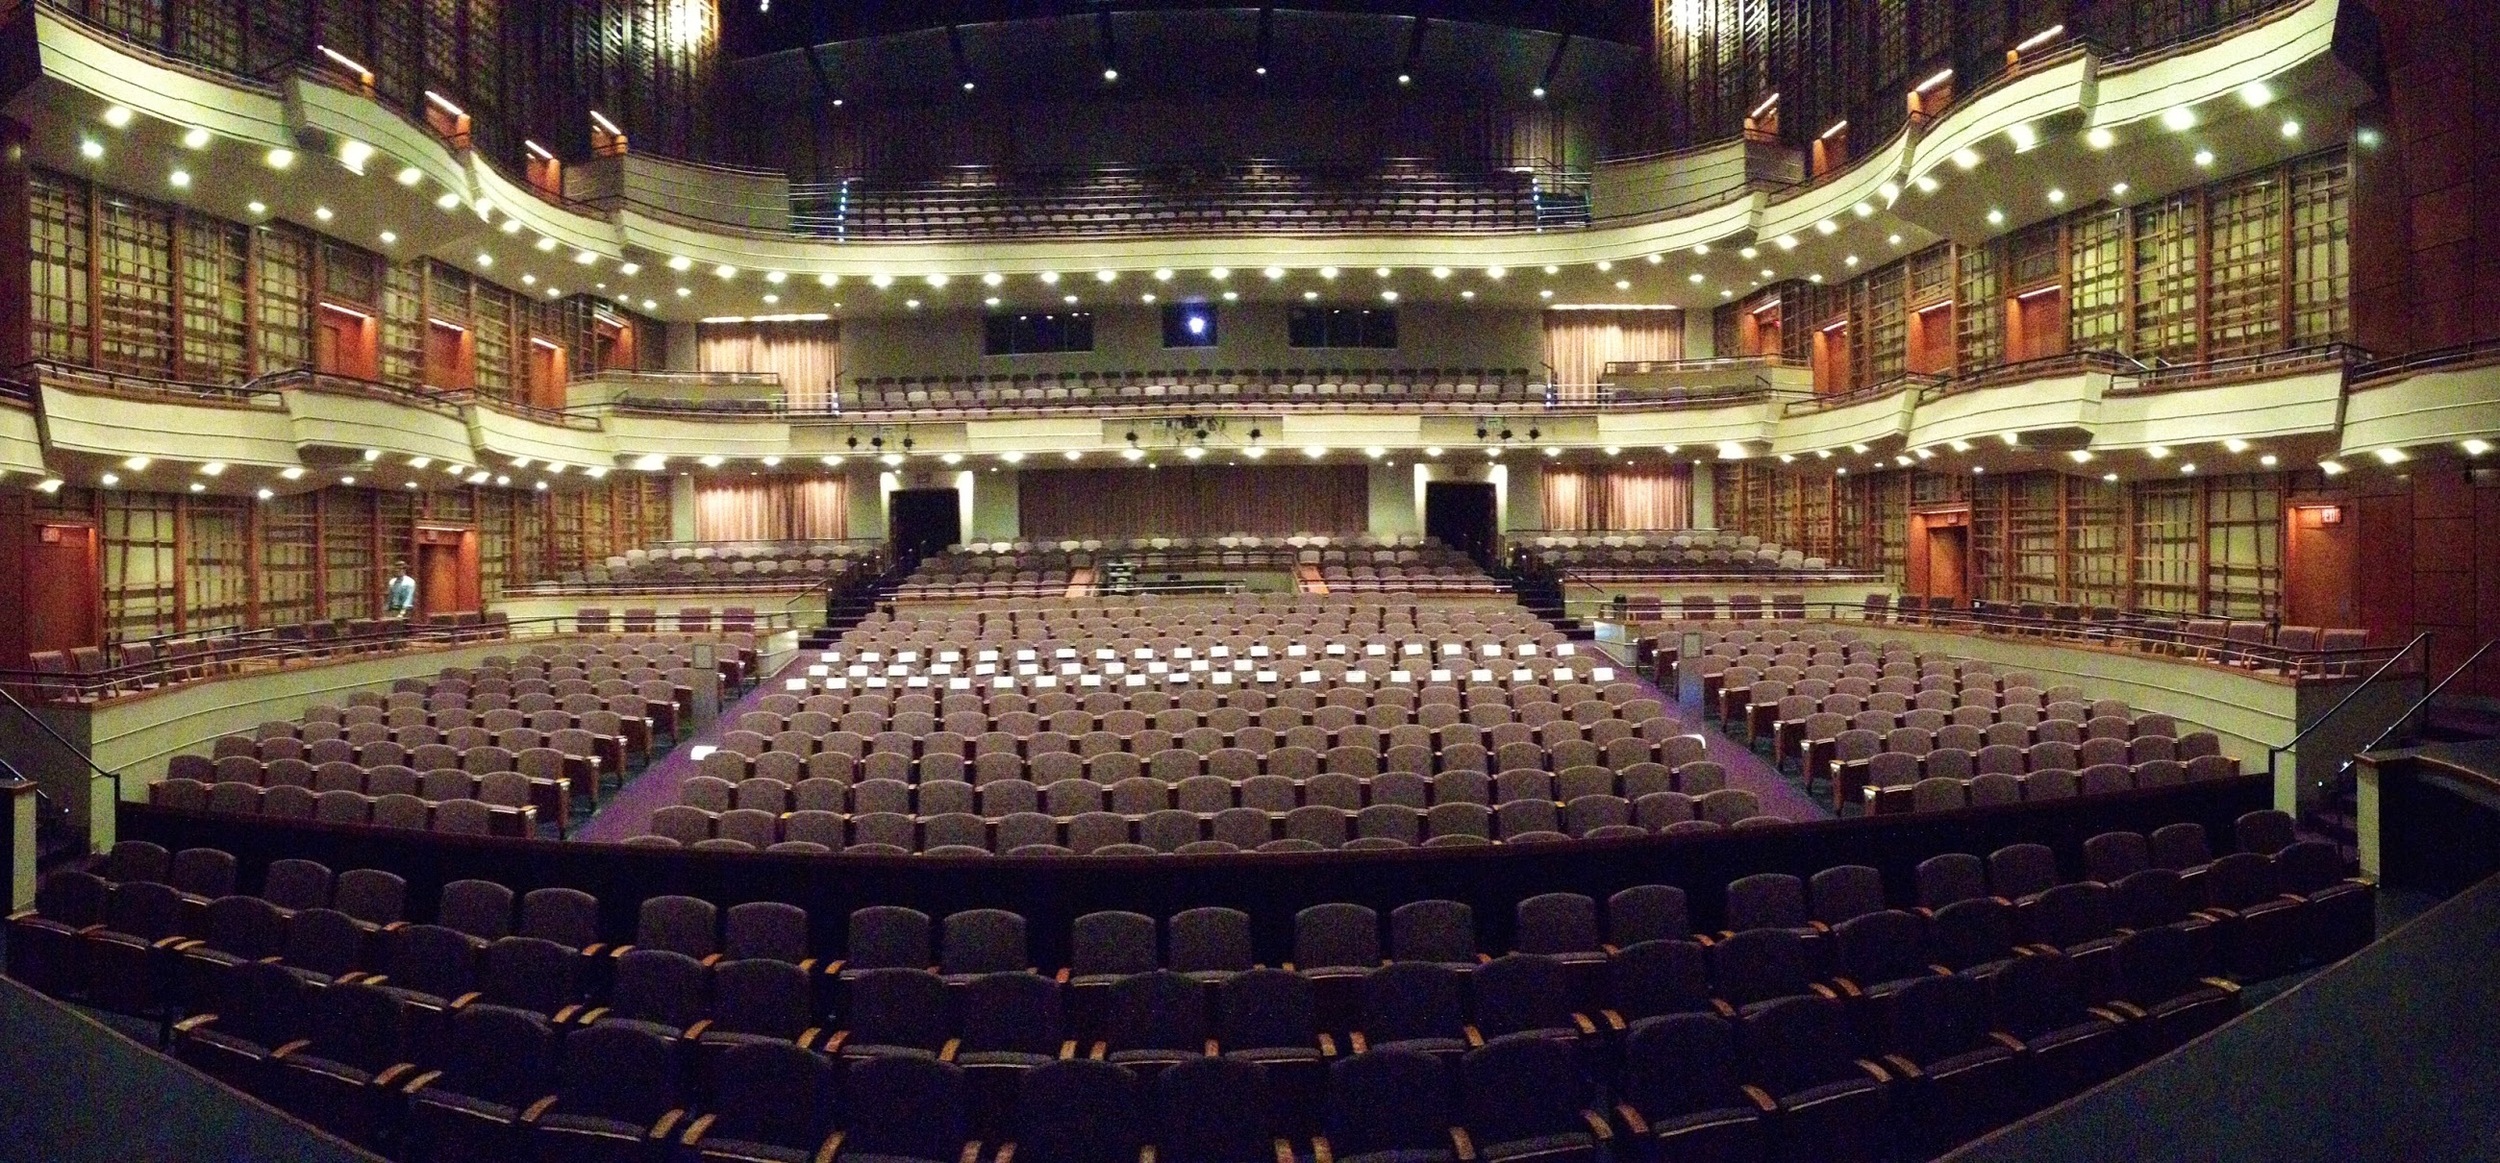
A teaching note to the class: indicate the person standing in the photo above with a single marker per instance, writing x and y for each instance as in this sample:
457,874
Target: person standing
399,598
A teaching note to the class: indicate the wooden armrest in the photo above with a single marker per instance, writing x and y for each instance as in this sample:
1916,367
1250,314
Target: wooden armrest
1723,1008
1632,1118
1327,1045
1463,1146
1321,1150
695,1130
1614,1020
595,949
946,1053
1847,988
565,1016
1873,1071
1061,977
1587,1027
421,1081
290,1049
2119,1011
174,944
807,1039
1902,1067
834,1045
392,1073
694,1033
667,1125
466,1000
620,951
1212,1050
1067,1049
1603,1131
2008,1041
1357,1042
1006,1153
1762,1099
193,1022
1474,1037
2224,984
538,1110
1822,990
1101,1049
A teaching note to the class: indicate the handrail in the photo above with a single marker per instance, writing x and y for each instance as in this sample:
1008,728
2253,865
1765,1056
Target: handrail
2392,659
2418,704
65,745
2370,372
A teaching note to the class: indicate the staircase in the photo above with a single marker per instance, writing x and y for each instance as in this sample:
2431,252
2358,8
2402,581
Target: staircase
849,607
1543,596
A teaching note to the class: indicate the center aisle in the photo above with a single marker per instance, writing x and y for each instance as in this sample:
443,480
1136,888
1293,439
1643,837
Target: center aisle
628,811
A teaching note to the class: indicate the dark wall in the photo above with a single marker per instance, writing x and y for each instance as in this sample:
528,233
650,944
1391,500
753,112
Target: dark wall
1052,892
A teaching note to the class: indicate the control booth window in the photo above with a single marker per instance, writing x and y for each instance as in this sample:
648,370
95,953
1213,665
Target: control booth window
1342,327
1035,334
1188,325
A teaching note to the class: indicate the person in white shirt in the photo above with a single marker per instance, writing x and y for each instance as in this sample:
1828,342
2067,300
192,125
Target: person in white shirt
399,598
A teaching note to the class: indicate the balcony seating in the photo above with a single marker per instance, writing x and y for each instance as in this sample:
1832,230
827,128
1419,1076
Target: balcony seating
1669,555
1339,563
724,565
1216,389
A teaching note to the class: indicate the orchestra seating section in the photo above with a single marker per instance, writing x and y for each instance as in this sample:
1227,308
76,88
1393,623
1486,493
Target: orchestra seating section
1247,197
1203,727
1800,1018
89,673
1362,563
492,749
736,565
1890,728
1216,388
1664,555
2246,643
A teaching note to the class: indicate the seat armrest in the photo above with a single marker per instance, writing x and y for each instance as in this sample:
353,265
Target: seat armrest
667,1126
694,1033
1902,1067
1322,1151
1873,1071
1632,1118
1461,1145
391,1074
1599,1128
538,1110
695,1130
420,1082
1762,1099
946,1053
1327,1045
1614,1020
193,1022
2008,1041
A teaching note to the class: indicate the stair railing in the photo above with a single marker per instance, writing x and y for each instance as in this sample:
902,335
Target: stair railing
2420,643
2344,773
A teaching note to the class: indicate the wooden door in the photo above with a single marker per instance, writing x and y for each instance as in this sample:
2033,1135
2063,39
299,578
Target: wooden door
63,590
2318,584
446,569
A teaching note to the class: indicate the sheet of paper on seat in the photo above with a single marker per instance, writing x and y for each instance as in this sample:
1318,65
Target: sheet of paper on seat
1602,674
1093,680
1358,677
959,684
1297,650
1136,680
1439,675
838,684
986,656
1401,676
1267,676
1566,649
950,656
876,680
1480,676
700,750
1047,680
796,684
819,671
1158,667
1523,675
857,670
906,656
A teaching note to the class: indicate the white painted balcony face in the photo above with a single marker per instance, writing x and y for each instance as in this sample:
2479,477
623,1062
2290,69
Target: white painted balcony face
1726,198
2436,406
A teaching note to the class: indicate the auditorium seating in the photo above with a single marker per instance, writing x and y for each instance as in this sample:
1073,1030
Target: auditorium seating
1995,988
1250,196
1337,563
729,565
1896,729
518,736
1219,389
1203,726
1665,555
90,673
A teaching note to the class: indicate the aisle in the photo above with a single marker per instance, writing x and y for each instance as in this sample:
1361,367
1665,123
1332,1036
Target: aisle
627,811
1746,768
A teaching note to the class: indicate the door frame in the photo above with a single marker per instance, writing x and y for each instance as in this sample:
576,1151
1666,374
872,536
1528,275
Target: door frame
1918,568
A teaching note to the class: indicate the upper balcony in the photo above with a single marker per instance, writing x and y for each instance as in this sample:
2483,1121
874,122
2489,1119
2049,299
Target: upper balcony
683,241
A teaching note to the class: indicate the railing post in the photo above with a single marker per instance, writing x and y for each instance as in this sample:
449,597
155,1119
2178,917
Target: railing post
18,793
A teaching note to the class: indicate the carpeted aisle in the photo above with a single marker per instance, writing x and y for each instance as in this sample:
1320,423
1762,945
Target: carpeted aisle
1746,768
627,811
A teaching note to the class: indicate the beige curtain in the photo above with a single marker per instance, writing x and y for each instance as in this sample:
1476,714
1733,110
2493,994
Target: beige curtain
773,509
1611,499
807,356
1580,343
1175,501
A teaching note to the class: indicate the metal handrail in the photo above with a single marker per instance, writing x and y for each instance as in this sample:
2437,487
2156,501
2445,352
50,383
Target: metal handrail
2418,641
2355,758
65,745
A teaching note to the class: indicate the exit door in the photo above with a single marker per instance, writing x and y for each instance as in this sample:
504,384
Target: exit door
63,591
446,570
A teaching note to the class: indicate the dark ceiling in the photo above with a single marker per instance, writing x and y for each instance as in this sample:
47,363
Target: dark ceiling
764,26
1172,49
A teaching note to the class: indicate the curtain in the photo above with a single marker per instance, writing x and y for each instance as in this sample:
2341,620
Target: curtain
773,509
1581,343
807,356
1178,501
1608,499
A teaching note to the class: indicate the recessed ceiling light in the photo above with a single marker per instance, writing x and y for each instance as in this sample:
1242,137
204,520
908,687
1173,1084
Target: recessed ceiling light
2099,137
90,149
1694,278
1926,184
2110,477
2079,456
2023,136
2205,158
1786,241
1547,293
410,175
936,281
1230,296
2477,447
1748,252
181,179
2235,445
2057,197
292,473
2178,118
197,487
108,480
389,237
2268,460
117,116
2257,94
2392,456
213,468
1967,159
1849,260
137,463
911,304
1827,226
881,280
323,213
2118,189
448,200
1310,296
1996,217
2291,128
197,137
769,300
992,301
1604,265
1105,276
2333,468
682,292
